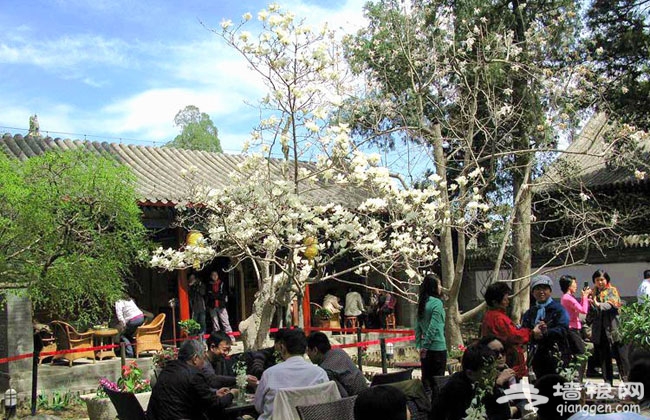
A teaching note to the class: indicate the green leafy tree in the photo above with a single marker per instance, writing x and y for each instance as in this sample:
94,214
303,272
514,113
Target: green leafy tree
618,53
198,131
70,229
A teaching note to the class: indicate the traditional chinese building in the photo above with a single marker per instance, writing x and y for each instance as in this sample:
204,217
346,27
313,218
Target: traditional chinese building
598,176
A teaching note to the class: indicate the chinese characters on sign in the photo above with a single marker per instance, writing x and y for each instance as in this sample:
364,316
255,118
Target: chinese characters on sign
571,391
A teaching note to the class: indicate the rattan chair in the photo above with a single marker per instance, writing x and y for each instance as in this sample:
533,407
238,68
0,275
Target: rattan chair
342,409
67,338
126,405
147,336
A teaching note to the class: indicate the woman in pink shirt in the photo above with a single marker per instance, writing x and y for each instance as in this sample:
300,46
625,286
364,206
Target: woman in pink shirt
574,308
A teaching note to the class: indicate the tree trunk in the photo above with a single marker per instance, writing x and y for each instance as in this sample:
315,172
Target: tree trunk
254,329
449,282
522,93
521,250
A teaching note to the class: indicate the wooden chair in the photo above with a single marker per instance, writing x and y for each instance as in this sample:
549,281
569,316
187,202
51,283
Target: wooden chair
126,405
390,321
389,378
147,336
342,409
67,338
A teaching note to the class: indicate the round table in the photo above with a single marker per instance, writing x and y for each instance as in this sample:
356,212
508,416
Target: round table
104,337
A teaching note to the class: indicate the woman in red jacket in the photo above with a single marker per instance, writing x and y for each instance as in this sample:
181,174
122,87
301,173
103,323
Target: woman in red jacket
496,322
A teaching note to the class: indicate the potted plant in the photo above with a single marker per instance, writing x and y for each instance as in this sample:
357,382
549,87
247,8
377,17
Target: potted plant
189,327
160,359
323,316
131,380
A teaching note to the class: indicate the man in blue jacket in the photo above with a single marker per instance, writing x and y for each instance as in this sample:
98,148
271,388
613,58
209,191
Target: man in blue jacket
548,351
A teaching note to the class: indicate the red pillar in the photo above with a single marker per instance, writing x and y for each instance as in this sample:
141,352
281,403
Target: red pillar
183,295
306,310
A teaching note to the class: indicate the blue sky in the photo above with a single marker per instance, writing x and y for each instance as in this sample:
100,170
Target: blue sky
122,69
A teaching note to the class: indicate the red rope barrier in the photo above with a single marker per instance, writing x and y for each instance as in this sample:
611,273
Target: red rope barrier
363,330
232,334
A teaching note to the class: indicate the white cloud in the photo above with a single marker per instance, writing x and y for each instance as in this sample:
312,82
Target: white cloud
64,53
202,72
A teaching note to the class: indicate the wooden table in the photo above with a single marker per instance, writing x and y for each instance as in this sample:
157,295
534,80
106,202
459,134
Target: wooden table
104,337
238,409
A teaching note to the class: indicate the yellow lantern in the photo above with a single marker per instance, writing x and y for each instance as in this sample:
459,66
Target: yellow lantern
193,237
309,240
311,252
312,247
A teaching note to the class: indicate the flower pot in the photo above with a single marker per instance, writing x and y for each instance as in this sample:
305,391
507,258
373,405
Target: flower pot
103,409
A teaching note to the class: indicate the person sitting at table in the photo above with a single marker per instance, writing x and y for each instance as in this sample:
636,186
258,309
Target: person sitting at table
130,317
294,371
457,394
219,370
339,366
354,307
257,361
381,402
182,391
331,302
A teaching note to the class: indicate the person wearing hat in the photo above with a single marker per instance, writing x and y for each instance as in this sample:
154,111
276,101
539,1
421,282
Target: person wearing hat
549,348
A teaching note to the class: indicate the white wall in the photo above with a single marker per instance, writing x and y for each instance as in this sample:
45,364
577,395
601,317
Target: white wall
625,276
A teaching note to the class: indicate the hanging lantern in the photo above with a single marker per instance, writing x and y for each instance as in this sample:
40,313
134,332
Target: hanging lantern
311,249
193,237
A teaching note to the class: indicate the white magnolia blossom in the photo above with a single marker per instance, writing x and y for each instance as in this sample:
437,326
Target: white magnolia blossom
256,215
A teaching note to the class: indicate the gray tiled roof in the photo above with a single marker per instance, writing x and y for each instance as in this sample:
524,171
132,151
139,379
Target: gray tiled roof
587,152
158,169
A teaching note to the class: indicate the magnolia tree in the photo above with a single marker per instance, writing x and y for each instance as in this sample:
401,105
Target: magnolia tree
275,213
481,86
291,241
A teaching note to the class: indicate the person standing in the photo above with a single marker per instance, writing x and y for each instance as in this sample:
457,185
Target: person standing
643,292
549,348
197,301
130,317
218,301
387,304
497,323
430,330
354,306
574,308
605,303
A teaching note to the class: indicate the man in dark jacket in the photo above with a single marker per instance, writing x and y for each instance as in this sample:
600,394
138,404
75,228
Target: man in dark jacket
549,348
338,365
220,369
457,394
182,390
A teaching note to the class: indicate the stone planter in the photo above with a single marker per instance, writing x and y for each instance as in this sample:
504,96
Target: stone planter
103,409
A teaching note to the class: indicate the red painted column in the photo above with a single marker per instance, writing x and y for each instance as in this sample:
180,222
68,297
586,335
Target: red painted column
306,310
183,295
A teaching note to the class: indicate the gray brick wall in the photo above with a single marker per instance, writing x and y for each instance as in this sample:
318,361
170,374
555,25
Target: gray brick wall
16,336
